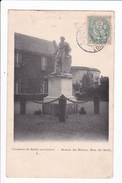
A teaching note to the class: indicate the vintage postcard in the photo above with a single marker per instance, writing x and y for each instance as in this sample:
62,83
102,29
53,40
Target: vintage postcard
60,94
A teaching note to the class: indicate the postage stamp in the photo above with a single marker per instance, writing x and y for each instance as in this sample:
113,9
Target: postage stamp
94,33
98,30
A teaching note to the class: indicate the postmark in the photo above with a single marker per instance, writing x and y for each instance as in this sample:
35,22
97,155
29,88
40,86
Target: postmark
94,34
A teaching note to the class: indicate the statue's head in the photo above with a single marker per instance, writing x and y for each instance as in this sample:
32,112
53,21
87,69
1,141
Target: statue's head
62,38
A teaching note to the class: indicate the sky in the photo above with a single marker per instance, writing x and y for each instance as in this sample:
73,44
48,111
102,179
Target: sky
50,25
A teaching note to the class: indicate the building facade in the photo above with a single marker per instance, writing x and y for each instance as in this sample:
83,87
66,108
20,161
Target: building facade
33,59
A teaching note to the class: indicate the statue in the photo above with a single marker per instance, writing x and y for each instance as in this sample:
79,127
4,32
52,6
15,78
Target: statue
62,57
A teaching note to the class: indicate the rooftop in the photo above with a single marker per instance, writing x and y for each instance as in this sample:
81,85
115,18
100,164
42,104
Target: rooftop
84,68
29,43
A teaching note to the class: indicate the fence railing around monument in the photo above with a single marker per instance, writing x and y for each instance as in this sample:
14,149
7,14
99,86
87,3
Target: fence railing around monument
51,107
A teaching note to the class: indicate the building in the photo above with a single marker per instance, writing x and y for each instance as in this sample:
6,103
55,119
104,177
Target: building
78,73
85,77
34,60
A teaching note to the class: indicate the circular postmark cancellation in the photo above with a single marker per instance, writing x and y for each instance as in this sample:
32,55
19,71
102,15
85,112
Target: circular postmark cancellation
95,34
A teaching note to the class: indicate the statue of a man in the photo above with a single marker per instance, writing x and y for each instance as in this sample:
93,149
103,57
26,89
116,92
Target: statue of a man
62,57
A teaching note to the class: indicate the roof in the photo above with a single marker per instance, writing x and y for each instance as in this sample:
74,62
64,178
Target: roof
28,43
84,68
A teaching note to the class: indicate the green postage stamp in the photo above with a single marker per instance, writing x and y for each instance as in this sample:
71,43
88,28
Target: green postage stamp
94,33
98,30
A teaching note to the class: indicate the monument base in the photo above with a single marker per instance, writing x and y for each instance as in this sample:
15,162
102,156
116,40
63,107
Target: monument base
53,109
59,85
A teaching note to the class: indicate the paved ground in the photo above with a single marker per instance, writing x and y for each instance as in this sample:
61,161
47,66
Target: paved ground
81,127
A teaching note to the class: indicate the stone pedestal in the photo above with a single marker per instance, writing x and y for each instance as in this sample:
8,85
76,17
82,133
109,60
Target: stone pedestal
59,85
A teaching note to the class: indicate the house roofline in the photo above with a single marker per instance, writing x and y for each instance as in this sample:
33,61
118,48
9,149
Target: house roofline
84,68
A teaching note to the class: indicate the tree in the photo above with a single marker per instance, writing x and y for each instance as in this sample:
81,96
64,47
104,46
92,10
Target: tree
87,82
76,86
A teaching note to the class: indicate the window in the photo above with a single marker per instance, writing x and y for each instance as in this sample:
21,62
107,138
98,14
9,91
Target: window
43,63
44,87
18,60
17,87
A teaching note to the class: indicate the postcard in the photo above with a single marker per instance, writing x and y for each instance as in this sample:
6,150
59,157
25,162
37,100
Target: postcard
60,94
